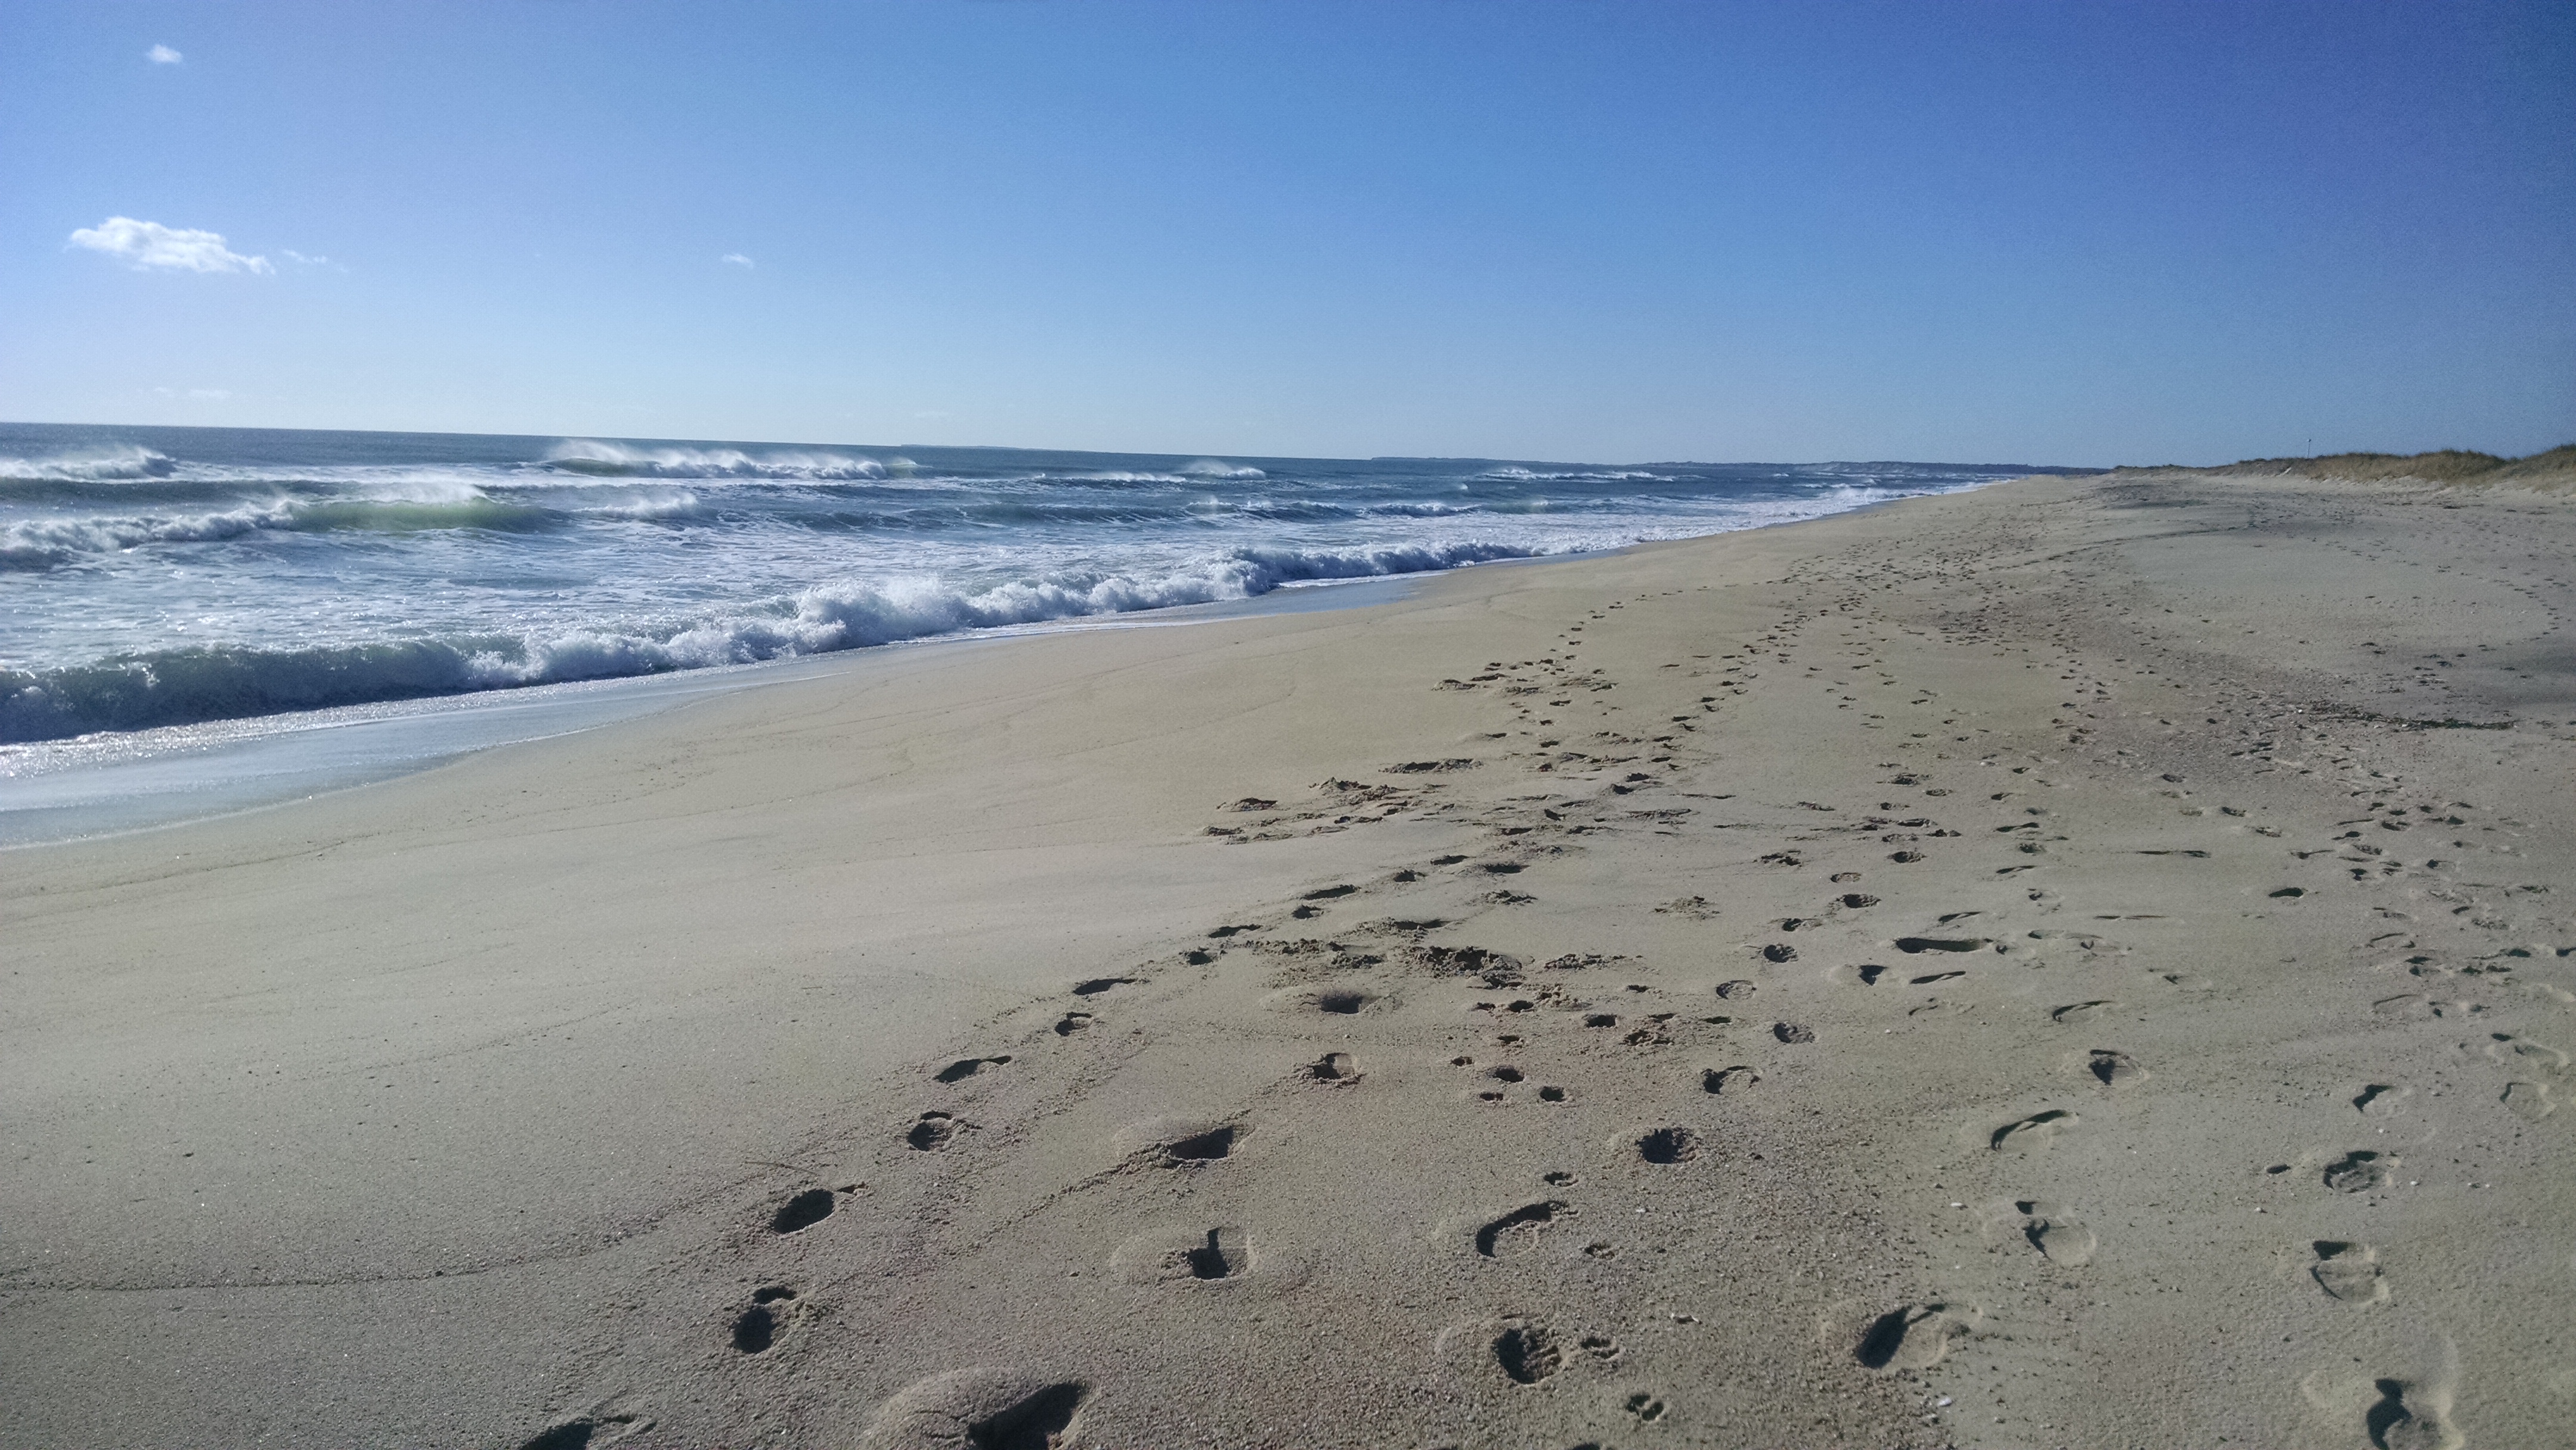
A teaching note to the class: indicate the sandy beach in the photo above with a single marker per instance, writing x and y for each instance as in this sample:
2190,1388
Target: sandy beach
2086,962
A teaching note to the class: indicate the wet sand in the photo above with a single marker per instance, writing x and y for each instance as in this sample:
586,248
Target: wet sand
2087,962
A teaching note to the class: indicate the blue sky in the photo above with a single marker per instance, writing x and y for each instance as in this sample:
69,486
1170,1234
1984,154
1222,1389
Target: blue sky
2051,233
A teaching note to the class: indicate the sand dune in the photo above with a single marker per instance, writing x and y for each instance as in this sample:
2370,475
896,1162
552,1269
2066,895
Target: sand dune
2083,963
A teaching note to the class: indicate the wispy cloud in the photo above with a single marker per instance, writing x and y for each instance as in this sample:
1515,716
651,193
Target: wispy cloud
737,259
150,246
301,260
163,55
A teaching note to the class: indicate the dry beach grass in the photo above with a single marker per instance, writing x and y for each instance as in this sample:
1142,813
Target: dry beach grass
2087,962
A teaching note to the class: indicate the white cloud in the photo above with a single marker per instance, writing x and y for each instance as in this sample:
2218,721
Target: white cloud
301,260
146,246
737,259
163,55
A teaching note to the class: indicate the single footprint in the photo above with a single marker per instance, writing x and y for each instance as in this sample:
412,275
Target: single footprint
2410,1416
2034,1132
1333,1067
2348,1271
1668,1145
2074,1013
2059,1237
2114,1068
1870,973
584,1431
2522,1051
1097,985
966,1067
1071,1023
1915,1336
1203,1147
756,1328
1728,1079
1793,1032
1527,1351
2382,1100
1223,1256
1518,1232
2528,1100
1735,991
1779,951
2360,1171
802,1212
933,1132
1645,1407
978,1409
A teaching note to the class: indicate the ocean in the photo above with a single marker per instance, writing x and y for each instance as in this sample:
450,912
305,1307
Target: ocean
156,577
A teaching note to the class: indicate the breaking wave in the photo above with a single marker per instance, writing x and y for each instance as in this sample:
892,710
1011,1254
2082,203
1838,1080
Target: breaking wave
47,543
102,465
619,460
177,687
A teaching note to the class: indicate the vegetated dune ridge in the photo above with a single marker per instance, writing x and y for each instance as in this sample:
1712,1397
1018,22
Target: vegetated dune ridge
2550,472
2083,963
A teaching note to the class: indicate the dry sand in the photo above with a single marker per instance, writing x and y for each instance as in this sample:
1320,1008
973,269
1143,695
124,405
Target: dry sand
2085,963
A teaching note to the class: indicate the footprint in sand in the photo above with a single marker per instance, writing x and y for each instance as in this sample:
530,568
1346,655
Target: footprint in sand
2059,1236
1793,1032
2361,1171
966,1067
1520,1231
1527,1351
933,1132
1728,1079
584,1431
978,1409
2523,1052
1185,1256
2348,1271
2382,1100
2114,1068
2075,1014
1735,991
2033,1133
1915,1336
756,1328
2411,1416
1334,1067
1668,1145
802,1212
1071,1023
1097,985
2528,1100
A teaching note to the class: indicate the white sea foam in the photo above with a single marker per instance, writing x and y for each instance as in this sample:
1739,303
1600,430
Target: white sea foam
1517,474
624,460
90,466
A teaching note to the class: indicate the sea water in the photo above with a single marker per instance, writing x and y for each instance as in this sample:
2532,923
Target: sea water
165,577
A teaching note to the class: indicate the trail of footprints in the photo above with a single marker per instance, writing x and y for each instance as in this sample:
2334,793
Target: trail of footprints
1376,962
